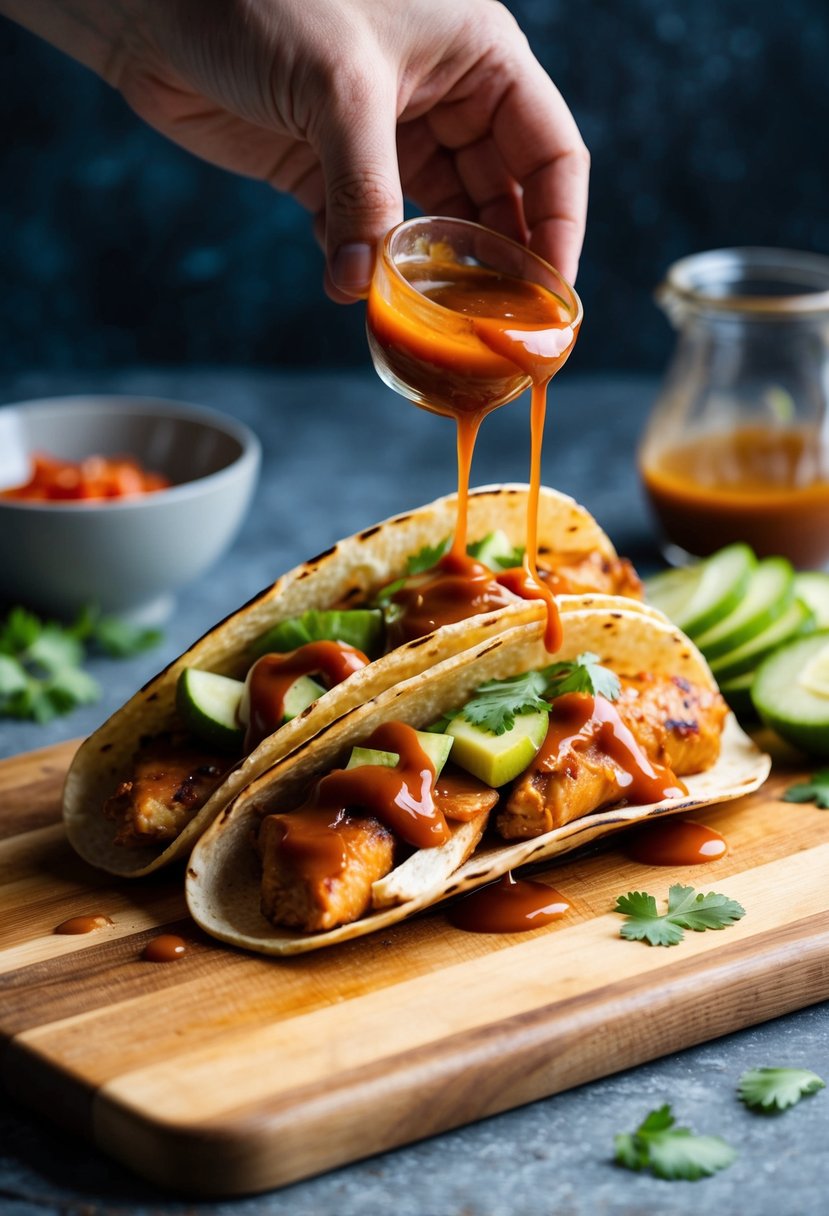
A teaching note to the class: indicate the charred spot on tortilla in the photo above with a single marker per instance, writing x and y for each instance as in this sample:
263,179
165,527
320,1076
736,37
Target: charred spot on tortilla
617,616
105,747
315,561
192,872
369,532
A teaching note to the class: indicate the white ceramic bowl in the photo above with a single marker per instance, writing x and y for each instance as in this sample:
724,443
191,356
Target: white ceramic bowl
130,555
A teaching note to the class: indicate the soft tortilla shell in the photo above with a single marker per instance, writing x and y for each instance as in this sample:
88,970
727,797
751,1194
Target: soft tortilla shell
352,568
223,873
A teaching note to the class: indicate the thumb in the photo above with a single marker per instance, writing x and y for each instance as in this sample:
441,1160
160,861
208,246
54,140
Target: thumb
363,195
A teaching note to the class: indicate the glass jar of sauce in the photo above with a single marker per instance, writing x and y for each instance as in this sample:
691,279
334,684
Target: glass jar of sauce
737,446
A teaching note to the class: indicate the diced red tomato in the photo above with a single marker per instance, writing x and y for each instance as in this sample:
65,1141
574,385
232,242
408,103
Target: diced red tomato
96,477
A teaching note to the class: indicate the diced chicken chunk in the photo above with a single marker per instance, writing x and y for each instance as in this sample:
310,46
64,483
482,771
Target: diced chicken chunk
171,780
322,883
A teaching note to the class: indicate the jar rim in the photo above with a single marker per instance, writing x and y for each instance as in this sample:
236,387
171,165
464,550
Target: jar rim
571,300
744,280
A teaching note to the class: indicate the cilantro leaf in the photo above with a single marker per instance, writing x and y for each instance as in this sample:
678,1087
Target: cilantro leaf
427,557
687,909
121,639
497,702
816,790
775,1089
41,673
582,674
671,1152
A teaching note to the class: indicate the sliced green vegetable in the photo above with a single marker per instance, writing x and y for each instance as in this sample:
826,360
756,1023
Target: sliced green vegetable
769,592
793,705
698,597
209,705
795,621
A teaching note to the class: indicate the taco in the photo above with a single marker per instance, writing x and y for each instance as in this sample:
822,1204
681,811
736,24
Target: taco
324,638
355,831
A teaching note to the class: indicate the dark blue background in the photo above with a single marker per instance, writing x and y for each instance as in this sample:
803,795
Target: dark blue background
707,122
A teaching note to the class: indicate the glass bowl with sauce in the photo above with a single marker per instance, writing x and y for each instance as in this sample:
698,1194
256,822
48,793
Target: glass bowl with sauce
461,320
737,447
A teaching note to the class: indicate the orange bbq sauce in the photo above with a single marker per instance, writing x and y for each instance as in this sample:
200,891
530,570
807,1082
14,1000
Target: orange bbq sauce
757,484
675,842
509,905
501,335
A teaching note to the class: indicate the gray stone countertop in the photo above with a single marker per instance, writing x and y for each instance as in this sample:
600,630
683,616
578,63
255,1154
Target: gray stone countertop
341,452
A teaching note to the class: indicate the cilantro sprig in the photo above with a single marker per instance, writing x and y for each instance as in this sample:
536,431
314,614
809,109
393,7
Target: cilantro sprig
671,1152
815,790
497,703
41,662
772,1090
687,909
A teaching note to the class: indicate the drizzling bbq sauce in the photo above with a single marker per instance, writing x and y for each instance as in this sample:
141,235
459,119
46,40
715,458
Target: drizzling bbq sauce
502,334
400,797
509,906
83,924
675,842
272,675
578,719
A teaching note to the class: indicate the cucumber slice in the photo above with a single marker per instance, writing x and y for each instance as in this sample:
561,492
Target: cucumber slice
798,713
697,597
436,747
497,759
303,692
796,620
813,587
769,592
209,705
359,627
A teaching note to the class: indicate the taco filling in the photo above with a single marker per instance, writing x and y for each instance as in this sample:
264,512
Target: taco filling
539,750
222,719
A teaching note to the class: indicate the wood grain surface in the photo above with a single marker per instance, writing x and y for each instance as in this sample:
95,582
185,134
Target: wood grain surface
223,1073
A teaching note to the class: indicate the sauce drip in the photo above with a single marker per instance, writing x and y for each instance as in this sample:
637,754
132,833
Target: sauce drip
501,335
675,842
165,949
456,588
83,924
509,906
271,676
401,798
578,720
761,485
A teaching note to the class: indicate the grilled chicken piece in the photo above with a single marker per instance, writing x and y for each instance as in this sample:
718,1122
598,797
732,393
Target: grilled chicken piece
317,875
463,797
170,781
577,573
676,724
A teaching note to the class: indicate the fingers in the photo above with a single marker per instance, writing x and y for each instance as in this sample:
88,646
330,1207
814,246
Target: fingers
541,147
355,140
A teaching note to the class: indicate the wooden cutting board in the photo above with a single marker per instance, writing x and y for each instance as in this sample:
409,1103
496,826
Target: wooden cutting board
223,1073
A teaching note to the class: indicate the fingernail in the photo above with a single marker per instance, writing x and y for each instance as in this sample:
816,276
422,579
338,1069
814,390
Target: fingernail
352,268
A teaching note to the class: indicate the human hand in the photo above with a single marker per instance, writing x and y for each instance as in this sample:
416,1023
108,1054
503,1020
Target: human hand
350,104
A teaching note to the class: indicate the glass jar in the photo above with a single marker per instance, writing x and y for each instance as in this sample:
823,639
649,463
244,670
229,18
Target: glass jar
737,445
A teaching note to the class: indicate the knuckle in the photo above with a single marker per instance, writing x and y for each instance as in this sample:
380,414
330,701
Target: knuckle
369,192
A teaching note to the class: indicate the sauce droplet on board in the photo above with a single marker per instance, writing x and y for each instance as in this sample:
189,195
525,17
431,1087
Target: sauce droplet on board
509,906
83,924
675,842
164,949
